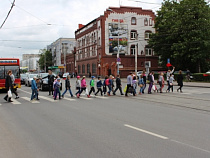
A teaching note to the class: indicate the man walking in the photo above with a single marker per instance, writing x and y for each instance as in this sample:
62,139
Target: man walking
118,85
129,84
8,85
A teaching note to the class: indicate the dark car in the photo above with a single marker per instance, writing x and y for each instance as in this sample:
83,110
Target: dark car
44,81
22,78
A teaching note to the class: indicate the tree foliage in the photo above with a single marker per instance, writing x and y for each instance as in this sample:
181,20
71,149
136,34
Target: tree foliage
45,59
183,34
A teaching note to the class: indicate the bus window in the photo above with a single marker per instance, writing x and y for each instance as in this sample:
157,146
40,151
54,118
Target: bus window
1,72
15,70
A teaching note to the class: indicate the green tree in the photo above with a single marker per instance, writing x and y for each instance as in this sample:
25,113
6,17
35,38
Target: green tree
45,59
183,34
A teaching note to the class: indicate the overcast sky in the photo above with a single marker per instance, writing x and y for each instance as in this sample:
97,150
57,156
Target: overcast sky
27,28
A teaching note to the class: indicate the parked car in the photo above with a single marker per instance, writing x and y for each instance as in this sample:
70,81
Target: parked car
22,78
29,78
208,72
65,75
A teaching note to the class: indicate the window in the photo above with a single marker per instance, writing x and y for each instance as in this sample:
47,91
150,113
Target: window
145,22
14,69
133,21
147,63
2,72
83,69
88,68
148,51
150,22
79,69
147,34
133,34
133,49
93,68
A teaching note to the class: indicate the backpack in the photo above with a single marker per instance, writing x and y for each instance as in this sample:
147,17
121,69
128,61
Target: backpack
107,82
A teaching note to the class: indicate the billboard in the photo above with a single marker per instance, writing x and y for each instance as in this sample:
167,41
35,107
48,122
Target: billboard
118,31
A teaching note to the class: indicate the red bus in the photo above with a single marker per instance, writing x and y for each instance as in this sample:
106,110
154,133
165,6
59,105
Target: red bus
12,64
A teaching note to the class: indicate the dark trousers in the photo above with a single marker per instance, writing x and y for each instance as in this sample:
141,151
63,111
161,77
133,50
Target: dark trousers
82,89
150,87
57,91
170,87
14,91
92,89
78,88
120,88
180,87
50,89
99,90
6,97
128,86
104,89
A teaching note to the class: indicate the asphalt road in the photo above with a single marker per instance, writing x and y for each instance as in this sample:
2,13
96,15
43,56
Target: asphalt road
168,125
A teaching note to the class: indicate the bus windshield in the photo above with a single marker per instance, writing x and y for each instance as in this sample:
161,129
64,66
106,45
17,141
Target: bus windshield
4,69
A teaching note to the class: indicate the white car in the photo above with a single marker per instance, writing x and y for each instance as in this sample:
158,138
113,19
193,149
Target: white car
65,75
29,78
208,72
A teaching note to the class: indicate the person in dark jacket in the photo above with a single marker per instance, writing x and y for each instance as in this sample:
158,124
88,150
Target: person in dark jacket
180,81
99,85
50,77
8,85
68,86
151,81
118,85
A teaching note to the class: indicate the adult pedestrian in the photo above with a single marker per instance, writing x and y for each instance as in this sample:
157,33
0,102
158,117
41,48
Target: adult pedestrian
129,84
168,74
180,81
118,85
67,86
34,89
50,77
13,86
161,82
8,85
151,81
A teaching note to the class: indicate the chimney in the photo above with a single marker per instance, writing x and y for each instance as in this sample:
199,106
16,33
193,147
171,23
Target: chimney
80,26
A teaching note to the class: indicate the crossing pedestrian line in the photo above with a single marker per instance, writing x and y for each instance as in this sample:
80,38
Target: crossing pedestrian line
15,101
28,99
69,99
48,99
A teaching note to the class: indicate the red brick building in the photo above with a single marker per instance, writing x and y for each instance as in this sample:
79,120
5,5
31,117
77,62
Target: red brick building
97,42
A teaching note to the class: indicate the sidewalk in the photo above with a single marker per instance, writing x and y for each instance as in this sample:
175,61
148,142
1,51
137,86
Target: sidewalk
187,84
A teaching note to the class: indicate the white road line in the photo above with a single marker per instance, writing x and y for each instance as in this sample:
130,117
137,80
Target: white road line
70,99
190,146
15,101
24,91
28,99
86,98
48,99
147,132
101,97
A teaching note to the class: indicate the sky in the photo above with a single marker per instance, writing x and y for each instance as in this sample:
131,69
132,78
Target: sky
34,24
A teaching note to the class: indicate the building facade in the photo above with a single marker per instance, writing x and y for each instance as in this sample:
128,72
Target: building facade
121,30
60,49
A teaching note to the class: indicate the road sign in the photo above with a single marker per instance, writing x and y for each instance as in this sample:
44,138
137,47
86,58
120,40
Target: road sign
118,60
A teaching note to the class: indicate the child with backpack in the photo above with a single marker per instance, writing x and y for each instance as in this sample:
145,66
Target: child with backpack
92,85
134,83
78,86
104,85
56,87
83,87
141,84
99,85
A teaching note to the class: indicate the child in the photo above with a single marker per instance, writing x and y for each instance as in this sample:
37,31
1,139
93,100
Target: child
38,87
68,86
92,85
104,85
99,84
141,84
57,86
78,86
171,79
83,87
134,84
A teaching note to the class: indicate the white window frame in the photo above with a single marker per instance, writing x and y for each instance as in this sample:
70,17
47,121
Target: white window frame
148,51
147,63
133,35
133,50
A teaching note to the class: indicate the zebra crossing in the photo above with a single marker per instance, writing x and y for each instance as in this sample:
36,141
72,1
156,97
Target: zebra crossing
50,99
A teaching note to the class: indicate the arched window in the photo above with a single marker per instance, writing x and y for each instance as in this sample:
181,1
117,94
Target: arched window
133,21
93,68
83,69
88,68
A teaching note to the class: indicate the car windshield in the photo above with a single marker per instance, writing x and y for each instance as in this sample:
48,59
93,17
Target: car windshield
23,75
43,75
32,75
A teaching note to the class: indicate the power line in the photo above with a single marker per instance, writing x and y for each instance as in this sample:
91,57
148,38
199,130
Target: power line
13,4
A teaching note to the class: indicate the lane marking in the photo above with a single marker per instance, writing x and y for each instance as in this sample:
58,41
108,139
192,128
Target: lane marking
24,91
15,102
48,99
101,97
28,99
147,132
190,146
70,99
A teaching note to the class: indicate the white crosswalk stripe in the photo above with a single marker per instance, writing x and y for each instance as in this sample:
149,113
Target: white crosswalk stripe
48,99
15,101
70,99
28,99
